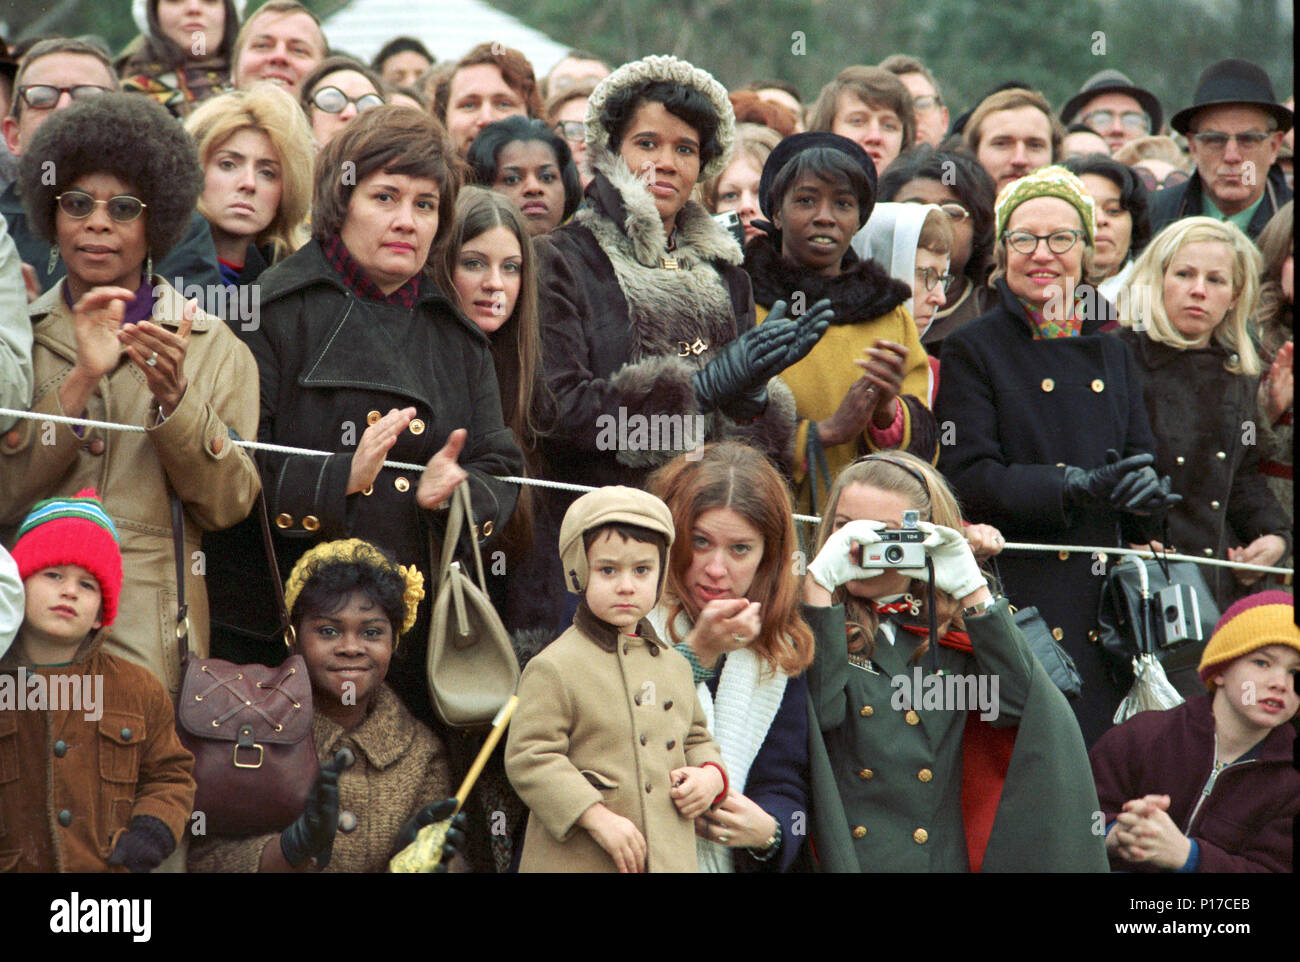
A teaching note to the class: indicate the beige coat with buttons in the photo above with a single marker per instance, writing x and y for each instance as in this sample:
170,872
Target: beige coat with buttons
190,452
606,718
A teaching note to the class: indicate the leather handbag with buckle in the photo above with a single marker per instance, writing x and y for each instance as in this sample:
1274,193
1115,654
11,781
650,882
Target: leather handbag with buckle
248,726
472,669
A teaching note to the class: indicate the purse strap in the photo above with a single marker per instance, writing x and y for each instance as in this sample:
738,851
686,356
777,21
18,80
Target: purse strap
461,514
178,550
264,521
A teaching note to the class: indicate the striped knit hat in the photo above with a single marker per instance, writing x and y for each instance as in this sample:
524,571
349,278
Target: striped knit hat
1054,181
73,531
1267,618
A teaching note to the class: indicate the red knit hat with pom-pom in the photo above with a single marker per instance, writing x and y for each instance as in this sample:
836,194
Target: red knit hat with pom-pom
73,531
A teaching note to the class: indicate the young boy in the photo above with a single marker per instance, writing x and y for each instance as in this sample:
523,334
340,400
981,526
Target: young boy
1209,786
92,775
609,748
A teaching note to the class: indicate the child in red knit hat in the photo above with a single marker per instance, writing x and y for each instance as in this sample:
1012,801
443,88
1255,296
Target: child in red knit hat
93,736
1209,786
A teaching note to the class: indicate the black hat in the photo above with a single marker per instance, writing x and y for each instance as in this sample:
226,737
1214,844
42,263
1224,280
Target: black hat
1233,82
796,144
1112,81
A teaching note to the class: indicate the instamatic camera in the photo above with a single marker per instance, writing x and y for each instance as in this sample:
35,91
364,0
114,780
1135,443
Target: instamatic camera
898,548
1175,616
730,220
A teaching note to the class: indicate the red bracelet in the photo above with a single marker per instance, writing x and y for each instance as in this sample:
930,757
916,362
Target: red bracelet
726,783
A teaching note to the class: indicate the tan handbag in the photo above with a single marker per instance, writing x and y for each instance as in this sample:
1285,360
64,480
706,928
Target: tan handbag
472,668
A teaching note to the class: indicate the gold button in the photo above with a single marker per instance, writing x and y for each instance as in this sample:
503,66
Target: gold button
924,775
1209,552
920,836
867,711
1063,555
912,718
1060,464
372,417
1214,505
866,773
417,426
401,484
487,528
1098,385
1220,455
369,490
311,522
1180,460
284,521
1048,385
1058,634
859,832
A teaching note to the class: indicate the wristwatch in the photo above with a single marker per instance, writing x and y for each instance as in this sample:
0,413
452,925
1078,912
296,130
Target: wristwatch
979,608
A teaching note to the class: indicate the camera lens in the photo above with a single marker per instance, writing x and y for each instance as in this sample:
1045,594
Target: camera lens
894,554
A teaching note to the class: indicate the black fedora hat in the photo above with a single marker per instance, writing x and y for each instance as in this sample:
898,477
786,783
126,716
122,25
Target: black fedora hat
1233,82
1112,81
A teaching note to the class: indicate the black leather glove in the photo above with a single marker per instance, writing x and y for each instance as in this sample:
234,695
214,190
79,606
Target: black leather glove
812,325
312,833
436,812
144,845
1144,493
1098,484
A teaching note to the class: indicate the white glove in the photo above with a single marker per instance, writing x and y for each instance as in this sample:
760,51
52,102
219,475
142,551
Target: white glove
956,572
833,567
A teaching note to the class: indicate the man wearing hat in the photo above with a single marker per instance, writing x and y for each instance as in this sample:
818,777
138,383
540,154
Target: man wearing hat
1109,103
1234,131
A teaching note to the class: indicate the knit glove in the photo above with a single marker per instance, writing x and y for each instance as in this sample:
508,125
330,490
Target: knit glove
1098,484
312,833
436,812
833,565
956,572
144,845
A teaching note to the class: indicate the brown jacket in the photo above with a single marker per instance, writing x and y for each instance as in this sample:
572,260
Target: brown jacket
191,450
400,767
70,785
605,717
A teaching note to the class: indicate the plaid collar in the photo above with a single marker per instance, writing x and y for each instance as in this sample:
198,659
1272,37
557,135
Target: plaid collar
359,282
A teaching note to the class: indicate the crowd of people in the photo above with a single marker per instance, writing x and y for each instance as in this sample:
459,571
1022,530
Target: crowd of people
717,308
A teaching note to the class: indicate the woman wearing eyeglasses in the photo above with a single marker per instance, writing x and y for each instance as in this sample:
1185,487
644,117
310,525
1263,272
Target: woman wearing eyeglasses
1050,440
335,92
115,342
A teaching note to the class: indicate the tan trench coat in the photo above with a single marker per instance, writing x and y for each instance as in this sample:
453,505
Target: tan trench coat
604,717
217,481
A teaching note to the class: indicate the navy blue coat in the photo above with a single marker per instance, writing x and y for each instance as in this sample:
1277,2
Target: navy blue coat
1184,200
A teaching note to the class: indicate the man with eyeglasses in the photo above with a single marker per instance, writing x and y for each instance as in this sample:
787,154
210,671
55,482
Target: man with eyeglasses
931,114
1113,106
1234,131
51,76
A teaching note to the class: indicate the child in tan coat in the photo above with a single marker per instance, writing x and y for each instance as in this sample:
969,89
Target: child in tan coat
609,747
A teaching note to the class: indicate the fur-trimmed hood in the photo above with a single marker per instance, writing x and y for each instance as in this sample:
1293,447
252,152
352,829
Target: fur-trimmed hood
863,289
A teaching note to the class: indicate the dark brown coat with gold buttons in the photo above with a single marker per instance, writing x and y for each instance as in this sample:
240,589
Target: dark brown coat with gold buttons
604,717
1207,440
69,785
330,363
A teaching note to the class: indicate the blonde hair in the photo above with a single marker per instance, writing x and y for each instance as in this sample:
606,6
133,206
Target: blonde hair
1151,148
937,235
754,143
897,473
1146,309
271,111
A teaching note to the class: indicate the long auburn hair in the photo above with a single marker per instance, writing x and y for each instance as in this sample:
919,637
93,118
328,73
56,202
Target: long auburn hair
736,476
896,472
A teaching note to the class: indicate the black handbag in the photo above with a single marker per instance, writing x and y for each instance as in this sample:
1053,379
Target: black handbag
1157,607
1055,660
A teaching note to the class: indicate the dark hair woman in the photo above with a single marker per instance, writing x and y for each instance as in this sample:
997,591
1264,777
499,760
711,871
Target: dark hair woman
647,318
335,92
360,353
182,54
114,342
527,161
866,384
1123,225
956,182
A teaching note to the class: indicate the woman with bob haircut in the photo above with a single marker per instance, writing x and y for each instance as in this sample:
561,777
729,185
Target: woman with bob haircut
731,606
360,353
182,54
1193,292
255,148
488,84
115,342
1123,224
527,161
905,782
736,187
337,90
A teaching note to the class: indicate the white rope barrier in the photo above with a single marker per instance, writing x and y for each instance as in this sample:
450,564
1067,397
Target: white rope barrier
566,486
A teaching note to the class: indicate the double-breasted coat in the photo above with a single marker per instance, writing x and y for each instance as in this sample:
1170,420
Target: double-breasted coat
605,717
1013,412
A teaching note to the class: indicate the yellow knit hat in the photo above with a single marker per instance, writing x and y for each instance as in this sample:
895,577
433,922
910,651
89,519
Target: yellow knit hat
1266,618
356,551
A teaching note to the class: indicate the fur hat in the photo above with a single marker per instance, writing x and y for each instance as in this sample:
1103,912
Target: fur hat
73,531
1266,618
1054,181
606,506
649,69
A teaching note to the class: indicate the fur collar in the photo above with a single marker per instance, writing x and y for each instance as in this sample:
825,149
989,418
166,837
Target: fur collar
862,291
